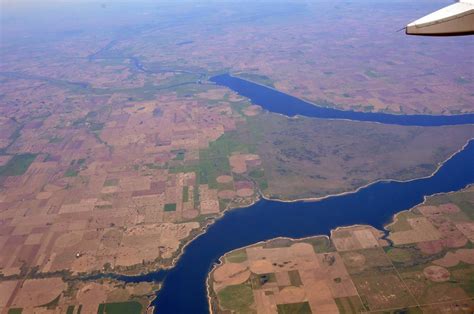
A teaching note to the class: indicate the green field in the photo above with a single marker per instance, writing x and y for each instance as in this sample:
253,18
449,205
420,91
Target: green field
294,308
295,278
238,256
185,194
18,165
349,305
237,298
71,173
70,309
171,207
131,307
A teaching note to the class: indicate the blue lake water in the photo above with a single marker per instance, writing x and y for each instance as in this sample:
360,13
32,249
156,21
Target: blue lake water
278,102
184,289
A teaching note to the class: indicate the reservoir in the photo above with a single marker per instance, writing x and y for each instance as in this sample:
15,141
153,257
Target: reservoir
278,102
184,286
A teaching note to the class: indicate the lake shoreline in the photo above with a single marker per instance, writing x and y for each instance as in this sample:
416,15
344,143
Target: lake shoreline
375,206
384,231
279,102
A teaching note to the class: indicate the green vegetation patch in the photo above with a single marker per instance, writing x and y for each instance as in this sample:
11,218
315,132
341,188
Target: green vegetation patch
131,307
463,274
153,166
71,173
16,134
399,255
223,204
179,154
349,305
55,139
258,78
170,207
103,207
237,298
295,278
401,223
75,167
18,165
321,244
464,200
185,194
213,161
278,243
294,308
238,256
15,311
70,309
258,175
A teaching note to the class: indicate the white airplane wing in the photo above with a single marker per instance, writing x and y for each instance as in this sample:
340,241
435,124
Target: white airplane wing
455,19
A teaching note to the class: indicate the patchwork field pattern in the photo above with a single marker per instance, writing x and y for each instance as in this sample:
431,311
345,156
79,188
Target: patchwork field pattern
358,269
114,186
111,183
116,150
53,295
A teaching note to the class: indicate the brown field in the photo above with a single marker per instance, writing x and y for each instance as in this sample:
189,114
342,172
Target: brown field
467,229
239,162
358,237
53,295
79,204
224,179
436,273
421,230
119,198
451,259
7,288
34,292
252,110
289,266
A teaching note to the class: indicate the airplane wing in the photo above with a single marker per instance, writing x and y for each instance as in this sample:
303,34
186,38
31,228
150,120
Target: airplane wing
453,20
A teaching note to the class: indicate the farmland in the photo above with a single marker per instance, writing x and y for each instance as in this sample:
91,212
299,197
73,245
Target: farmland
116,150
357,268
